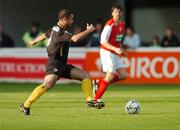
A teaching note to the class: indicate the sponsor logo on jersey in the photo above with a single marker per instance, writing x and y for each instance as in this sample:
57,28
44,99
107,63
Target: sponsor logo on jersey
55,70
119,37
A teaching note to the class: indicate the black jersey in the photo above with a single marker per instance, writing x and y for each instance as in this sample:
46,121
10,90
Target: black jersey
58,44
58,49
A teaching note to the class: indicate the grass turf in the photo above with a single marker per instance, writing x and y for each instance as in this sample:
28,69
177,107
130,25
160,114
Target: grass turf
63,108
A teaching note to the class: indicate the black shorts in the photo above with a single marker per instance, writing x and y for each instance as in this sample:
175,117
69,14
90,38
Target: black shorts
60,69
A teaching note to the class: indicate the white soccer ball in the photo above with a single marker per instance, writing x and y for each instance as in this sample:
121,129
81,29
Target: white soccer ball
132,107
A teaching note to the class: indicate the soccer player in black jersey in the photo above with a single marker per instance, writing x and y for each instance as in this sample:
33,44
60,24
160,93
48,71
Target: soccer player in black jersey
57,48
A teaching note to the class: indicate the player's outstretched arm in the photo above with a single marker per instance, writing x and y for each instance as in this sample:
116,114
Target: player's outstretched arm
77,37
36,40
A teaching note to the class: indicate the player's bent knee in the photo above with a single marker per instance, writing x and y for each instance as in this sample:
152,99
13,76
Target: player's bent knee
49,84
123,76
109,77
86,76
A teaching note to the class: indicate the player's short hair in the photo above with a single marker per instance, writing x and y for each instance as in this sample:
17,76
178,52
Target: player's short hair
117,6
64,13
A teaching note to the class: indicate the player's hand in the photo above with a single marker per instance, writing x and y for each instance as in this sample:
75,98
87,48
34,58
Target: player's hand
90,27
30,43
124,53
118,51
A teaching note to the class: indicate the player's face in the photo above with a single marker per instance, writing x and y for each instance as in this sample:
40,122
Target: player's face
70,20
117,14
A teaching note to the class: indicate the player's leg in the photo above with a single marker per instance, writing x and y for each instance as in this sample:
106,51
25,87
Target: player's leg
96,83
121,74
109,63
83,76
49,82
121,71
111,76
104,85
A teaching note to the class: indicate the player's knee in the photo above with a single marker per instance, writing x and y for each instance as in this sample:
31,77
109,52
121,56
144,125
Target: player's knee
123,76
109,77
49,84
86,76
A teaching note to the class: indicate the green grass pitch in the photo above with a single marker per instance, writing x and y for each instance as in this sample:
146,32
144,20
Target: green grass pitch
63,108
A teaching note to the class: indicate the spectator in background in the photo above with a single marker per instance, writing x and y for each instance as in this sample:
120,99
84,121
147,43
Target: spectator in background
94,39
131,39
170,39
77,29
32,34
5,40
155,43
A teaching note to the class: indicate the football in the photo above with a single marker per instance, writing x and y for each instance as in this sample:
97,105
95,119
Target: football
132,107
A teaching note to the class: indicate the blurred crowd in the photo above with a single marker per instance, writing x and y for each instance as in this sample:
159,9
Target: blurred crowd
131,38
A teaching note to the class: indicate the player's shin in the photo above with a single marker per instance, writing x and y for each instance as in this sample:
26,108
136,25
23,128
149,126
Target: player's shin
38,91
102,88
87,88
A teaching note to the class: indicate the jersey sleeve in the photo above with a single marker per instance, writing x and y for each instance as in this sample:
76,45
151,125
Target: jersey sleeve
48,32
106,34
68,35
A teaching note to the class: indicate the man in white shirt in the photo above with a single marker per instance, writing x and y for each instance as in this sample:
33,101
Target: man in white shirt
131,40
